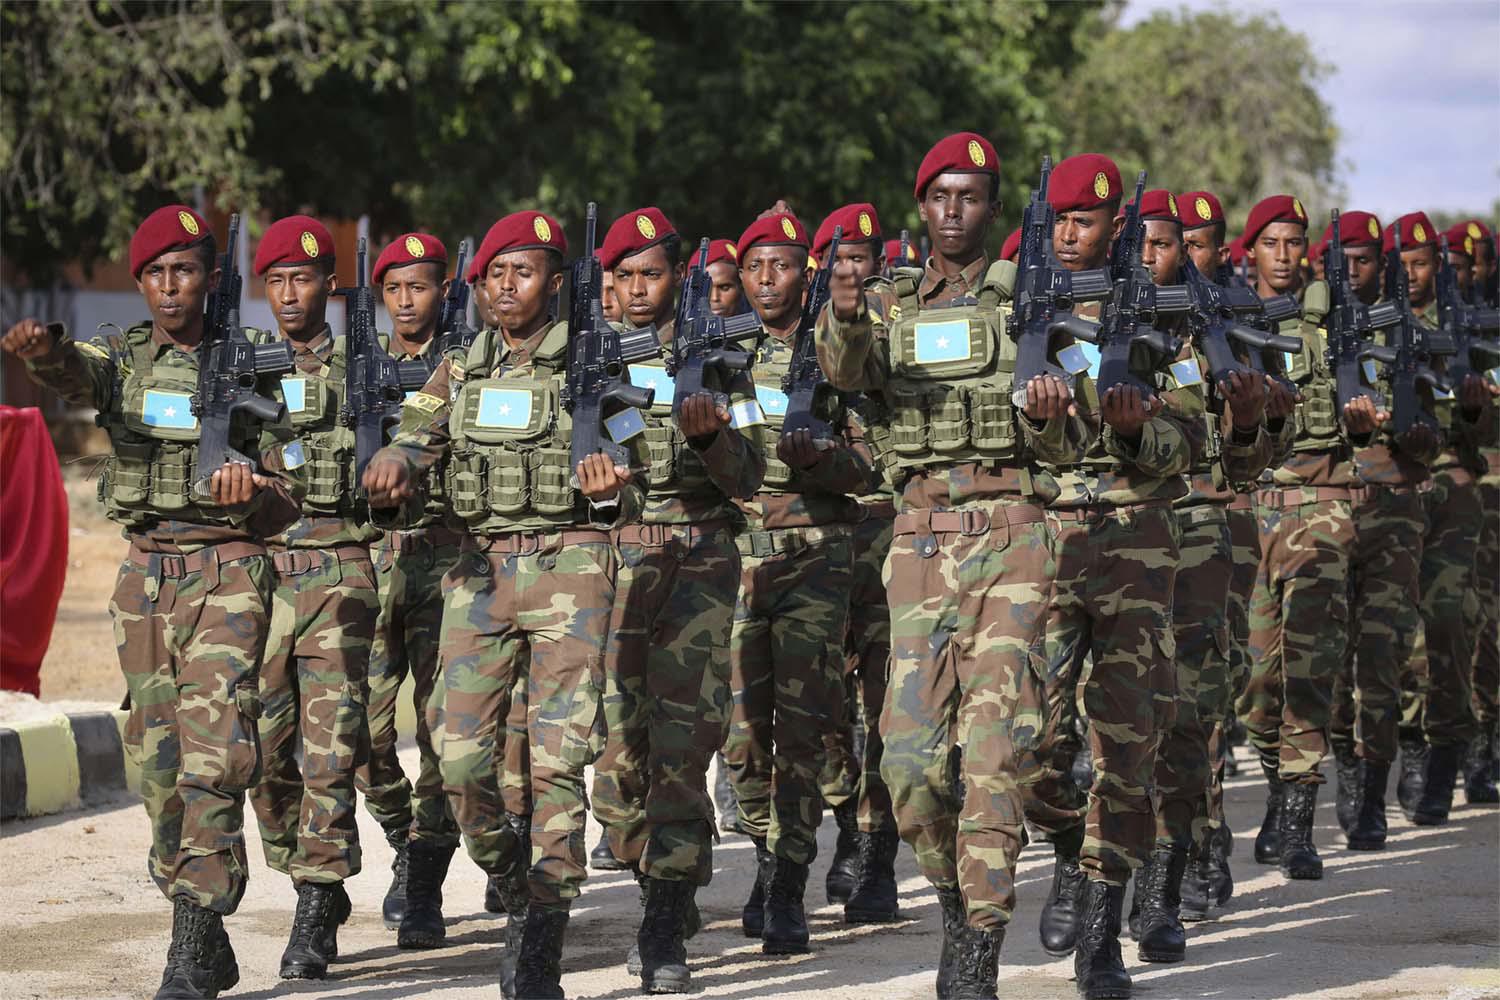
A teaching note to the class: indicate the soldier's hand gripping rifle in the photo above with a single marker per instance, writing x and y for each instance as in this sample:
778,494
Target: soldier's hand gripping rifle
453,329
704,343
375,384
807,390
1046,293
1466,332
1218,332
597,389
1351,325
1132,309
1410,366
229,366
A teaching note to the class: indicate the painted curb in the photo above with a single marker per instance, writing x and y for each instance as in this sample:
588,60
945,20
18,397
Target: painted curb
63,762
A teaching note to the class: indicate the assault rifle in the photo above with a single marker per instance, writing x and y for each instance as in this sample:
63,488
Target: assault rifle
375,384
1412,350
596,390
705,342
1351,325
453,329
1046,293
807,390
1466,332
229,366
1217,329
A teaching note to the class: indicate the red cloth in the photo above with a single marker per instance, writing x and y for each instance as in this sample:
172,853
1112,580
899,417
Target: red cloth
33,546
410,248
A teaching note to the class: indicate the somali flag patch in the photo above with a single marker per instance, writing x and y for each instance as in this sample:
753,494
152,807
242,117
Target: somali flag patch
746,413
772,401
294,391
651,377
1080,358
941,340
172,410
505,408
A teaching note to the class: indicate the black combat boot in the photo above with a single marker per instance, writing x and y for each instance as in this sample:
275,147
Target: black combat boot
602,857
1413,774
1061,909
660,941
1299,857
1479,768
978,965
873,900
539,963
394,906
786,931
1195,894
1350,770
1441,775
200,962
955,922
321,908
494,896
1268,840
1220,881
725,801
513,897
692,920
422,926
1097,964
753,915
843,871
1368,832
1160,936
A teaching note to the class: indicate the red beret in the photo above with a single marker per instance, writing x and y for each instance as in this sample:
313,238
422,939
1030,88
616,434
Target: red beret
1236,250
1318,249
859,221
718,250
171,227
1198,209
634,232
411,248
960,153
1158,203
1083,182
893,254
1012,245
1477,231
782,229
518,231
1277,208
1461,239
1356,229
294,240
1417,230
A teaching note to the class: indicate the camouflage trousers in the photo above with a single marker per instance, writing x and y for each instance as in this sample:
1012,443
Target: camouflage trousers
667,697
786,668
1200,626
525,613
1385,621
189,641
1438,688
1244,537
1485,609
410,566
1299,627
967,611
867,654
1112,604
312,689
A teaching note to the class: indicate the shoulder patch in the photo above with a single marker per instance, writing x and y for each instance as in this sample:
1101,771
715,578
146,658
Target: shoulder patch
92,350
425,401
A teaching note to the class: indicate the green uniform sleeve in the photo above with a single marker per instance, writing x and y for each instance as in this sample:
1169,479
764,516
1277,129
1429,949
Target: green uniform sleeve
854,358
1244,455
422,437
81,373
845,469
1169,441
736,457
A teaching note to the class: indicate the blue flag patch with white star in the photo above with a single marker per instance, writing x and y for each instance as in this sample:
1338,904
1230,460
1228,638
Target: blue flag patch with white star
294,391
651,377
942,340
506,408
173,410
772,401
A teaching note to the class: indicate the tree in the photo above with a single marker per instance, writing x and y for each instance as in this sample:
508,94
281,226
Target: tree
1217,101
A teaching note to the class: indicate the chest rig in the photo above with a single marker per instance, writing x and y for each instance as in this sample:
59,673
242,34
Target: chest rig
313,404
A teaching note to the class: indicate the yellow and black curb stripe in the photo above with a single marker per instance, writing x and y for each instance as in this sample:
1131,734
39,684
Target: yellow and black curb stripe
63,762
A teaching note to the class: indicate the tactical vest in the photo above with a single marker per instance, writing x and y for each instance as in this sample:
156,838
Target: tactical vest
676,469
1213,440
154,437
772,359
435,484
313,404
1317,415
511,454
948,396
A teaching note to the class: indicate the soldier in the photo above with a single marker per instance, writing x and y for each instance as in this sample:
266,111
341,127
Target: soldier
792,611
970,565
1012,245
411,273
862,875
1486,271
894,259
1461,257
612,305
727,298
667,691
1437,721
1240,445
192,603
532,592
1112,521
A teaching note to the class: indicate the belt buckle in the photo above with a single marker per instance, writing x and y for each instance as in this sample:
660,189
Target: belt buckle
761,544
528,544
973,522
654,535
174,566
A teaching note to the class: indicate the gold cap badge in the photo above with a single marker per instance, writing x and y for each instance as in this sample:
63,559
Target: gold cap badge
1474,230
1297,209
188,223
1172,203
1204,209
976,153
644,227
309,244
734,254
1418,233
1101,185
1374,230
414,247
865,226
542,230
788,228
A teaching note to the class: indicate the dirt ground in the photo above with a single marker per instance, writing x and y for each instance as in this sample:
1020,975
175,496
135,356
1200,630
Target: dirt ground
1418,920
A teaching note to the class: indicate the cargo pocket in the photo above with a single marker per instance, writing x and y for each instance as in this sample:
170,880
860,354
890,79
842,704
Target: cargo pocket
508,482
128,472
994,425
551,472
584,729
242,757
908,421
947,418
467,486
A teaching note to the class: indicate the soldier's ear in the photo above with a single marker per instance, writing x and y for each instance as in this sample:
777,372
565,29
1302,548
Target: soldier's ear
1223,254
443,292
1115,227
214,277
554,283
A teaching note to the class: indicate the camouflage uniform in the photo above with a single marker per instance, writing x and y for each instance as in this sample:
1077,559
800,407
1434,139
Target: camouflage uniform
525,608
970,564
312,680
786,645
191,603
667,690
1485,613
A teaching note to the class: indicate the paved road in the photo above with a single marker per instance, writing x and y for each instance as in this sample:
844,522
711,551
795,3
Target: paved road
1422,919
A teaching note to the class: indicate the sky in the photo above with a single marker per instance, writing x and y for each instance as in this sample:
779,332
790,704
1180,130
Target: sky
1415,91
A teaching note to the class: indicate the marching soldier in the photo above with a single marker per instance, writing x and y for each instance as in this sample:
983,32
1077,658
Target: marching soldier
727,298
192,603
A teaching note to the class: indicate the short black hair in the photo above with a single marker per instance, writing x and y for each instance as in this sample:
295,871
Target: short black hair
208,252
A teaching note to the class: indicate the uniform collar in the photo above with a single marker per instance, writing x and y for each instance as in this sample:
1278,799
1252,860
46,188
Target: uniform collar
935,282
320,346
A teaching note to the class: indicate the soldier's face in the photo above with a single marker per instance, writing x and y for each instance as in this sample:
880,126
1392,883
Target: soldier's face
299,296
775,278
1277,256
958,212
482,308
414,296
519,285
607,296
1463,267
1365,264
1202,246
863,259
645,285
1161,251
724,292
1081,238
1421,273
176,286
